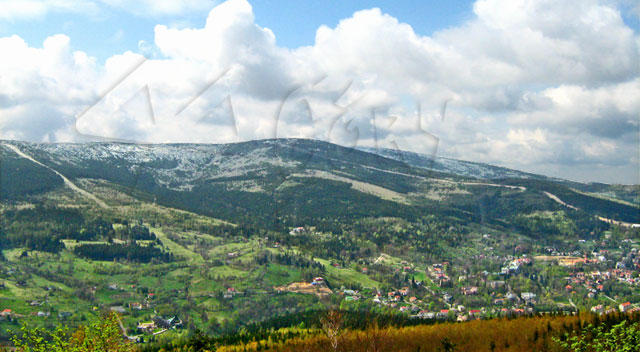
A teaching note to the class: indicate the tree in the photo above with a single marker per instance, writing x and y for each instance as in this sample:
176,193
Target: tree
332,327
99,336
447,345
621,337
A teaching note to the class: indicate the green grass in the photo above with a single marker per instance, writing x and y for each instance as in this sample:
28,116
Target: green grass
279,275
177,249
347,275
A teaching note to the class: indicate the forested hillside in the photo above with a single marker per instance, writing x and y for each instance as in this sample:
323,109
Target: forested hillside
220,239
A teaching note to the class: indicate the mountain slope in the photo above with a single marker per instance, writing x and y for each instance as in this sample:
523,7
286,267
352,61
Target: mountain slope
453,166
277,182
226,235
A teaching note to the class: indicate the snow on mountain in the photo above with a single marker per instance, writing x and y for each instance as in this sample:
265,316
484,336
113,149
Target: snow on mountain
453,166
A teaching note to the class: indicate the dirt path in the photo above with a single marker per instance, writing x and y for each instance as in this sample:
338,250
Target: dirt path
559,201
619,223
67,182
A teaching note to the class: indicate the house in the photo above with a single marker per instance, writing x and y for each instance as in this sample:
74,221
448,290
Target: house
472,290
511,296
350,293
136,305
64,314
117,309
232,255
146,327
443,314
166,323
113,287
42,314
5,313
175,321
528,296
426,314
318,281
474,312
597,309
394,296
624,307
297,230
444,280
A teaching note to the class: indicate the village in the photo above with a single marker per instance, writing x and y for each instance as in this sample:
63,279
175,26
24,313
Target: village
594,281
591,283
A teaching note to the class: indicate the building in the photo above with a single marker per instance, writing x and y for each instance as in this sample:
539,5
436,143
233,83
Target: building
528,296
146,327
625,307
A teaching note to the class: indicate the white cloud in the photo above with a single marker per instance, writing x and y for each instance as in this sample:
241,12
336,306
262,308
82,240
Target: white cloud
28,9
161,7
539,85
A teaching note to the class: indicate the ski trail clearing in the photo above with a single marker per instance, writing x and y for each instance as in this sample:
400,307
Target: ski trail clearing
558,200
66,180
610,221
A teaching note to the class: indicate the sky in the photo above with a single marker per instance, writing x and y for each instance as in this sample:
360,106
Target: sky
545,86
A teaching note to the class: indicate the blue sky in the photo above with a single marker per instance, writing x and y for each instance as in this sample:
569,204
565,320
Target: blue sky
543,86
294,22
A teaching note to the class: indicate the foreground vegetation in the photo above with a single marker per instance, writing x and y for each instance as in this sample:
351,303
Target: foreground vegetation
579,333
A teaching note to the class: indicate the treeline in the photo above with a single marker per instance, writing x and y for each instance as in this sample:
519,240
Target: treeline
137,232
289,259
130,252
226,230
285,327
529,333
39,228
574,224
42,228
21,178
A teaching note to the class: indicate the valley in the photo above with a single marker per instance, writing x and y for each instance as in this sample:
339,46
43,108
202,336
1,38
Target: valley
183,237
